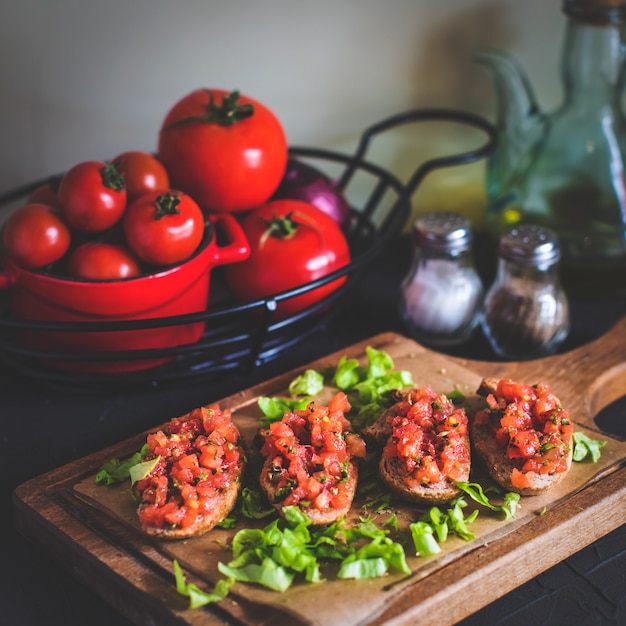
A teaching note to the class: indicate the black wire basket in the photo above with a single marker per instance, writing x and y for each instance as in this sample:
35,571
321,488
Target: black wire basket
242,337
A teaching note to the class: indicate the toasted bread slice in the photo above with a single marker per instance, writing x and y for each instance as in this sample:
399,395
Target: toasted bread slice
310,461
393,475
196,479
527,475
427,449
219,508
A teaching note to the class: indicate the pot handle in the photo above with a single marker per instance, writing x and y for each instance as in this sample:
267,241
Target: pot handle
237,249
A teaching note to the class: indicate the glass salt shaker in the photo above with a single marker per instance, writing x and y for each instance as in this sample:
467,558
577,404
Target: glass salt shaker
526,313
442,295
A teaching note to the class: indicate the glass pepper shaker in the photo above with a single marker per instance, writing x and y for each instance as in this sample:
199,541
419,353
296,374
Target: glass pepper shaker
526,313
442,295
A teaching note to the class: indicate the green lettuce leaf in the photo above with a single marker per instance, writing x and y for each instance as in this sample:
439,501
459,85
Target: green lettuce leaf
197,597
586,447
476,492
116,471
273,408
143,469
423,539
309,383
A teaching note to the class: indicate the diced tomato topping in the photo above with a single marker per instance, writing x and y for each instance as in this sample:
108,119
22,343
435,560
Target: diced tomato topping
197,454
493,403
513,392
333,443
523,443
517,415
341,500
311,450
428,437
211,456
339,402
533,427
520,480
454,460
502,437
426,472
323,500
355,446
545,404
174,514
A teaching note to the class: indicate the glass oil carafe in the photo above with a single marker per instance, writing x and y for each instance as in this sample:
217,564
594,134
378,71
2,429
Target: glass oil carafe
566,170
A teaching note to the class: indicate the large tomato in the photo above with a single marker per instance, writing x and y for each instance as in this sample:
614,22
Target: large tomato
92,196
35,236
164,228
226,150
102,261
142,172
291,243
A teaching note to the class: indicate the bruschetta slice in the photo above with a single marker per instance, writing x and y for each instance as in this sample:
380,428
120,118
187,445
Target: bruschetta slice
428,447
196,477
310,461
523,436
378,432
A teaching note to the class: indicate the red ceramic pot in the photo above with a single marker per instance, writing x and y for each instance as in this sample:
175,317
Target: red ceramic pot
178,290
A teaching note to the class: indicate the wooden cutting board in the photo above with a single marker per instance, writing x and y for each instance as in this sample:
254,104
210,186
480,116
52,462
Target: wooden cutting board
93,530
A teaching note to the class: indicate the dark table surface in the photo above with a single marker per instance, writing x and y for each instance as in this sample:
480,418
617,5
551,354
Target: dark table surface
43,427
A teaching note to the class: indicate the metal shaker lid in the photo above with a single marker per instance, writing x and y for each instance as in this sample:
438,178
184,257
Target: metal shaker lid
598,12
444,231
530,245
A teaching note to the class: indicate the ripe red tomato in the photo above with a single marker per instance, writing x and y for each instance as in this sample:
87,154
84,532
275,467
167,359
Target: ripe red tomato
35,236
227,151
92,196
291,243
142,172
102,261
164,228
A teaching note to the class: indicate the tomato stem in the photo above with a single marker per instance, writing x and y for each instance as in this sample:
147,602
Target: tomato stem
285,227
112,177
167,205
281,227
229,113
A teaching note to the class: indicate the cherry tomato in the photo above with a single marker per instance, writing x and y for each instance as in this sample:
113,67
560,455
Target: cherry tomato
102,261
92,196
35,236
163,228
142,172
291,243
226,150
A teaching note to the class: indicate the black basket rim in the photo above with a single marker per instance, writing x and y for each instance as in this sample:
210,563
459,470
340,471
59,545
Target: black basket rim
243,348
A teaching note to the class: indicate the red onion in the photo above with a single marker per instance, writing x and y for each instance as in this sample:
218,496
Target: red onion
304,182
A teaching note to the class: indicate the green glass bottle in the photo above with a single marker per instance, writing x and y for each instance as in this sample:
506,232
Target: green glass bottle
566,169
